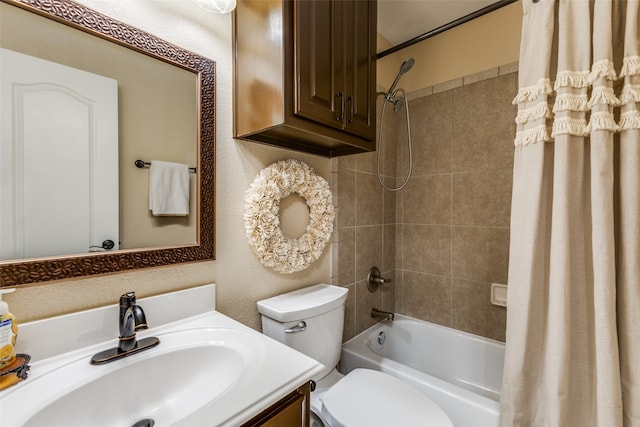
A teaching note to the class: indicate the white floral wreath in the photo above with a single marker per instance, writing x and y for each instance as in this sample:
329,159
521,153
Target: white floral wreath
262,224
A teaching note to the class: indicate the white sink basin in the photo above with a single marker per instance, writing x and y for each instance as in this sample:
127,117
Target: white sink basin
167,383
208,369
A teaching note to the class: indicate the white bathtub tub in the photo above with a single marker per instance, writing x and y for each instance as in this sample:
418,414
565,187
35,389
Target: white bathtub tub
461,372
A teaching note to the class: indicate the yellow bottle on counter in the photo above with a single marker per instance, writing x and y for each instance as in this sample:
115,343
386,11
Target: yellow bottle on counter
8,332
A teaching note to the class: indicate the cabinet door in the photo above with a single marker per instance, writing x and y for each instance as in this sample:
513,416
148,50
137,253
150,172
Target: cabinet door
360,85
319,61
291,411
292,415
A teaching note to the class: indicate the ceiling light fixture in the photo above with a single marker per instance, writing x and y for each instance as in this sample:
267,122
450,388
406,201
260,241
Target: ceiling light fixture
217,6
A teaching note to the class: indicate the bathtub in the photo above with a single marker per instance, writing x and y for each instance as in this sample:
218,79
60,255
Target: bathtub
461,372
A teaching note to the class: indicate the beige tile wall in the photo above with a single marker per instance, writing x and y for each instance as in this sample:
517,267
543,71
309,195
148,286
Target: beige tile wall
444,238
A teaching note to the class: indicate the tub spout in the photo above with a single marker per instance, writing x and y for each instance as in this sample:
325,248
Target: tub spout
379,314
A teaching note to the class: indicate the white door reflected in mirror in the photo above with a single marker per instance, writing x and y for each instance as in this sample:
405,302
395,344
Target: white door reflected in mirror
58,159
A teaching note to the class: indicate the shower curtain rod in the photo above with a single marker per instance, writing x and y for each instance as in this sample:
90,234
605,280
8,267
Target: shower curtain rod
445,27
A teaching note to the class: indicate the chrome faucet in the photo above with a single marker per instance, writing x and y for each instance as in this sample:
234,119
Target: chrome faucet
384,315
130,320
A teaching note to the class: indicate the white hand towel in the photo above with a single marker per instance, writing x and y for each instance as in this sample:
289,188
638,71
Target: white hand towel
168,189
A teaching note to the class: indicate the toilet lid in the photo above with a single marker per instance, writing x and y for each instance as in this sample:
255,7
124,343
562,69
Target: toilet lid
371,398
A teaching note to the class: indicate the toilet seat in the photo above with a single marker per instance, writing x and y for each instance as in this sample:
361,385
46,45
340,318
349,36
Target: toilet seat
369,398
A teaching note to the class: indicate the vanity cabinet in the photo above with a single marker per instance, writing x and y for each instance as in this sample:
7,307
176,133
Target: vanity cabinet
290,411
305,74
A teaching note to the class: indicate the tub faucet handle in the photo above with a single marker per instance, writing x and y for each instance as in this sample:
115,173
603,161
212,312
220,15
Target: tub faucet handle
375,279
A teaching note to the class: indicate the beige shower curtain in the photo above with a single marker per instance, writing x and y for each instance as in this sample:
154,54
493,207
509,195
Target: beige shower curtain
573,322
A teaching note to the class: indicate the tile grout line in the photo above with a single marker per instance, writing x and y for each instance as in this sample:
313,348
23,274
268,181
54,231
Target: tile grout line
451,222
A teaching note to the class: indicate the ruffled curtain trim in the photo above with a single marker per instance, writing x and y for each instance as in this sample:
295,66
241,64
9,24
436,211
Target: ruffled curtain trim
602,120
603,95
630,66
602,69
532,93
630,120
570,102
630,93
532,136
575,79
569,126
538,111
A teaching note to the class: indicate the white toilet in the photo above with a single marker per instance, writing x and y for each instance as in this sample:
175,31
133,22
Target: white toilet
311,320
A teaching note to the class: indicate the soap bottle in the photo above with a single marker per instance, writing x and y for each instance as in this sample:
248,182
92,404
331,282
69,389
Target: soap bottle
8,332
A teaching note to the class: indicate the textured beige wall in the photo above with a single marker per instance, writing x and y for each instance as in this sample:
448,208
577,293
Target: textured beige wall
241,279
481,44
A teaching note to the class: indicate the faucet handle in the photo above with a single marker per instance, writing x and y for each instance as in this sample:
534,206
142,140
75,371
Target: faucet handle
127,299
375,279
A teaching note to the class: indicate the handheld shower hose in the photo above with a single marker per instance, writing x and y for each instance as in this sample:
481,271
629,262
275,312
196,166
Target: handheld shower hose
391,96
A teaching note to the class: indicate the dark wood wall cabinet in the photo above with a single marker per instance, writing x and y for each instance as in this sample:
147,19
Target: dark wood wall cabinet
305,74
290,411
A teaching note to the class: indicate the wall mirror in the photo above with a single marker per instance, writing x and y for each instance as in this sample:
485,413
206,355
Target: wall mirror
165,99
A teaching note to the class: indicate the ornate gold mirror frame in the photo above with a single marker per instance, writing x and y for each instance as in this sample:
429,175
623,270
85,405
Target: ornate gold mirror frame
24,272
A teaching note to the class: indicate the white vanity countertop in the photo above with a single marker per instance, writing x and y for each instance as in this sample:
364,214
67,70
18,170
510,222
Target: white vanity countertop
279,370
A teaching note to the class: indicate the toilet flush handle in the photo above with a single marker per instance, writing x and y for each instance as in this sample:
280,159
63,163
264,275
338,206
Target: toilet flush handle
301,326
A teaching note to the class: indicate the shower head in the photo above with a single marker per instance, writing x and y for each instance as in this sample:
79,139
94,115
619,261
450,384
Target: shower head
398,103
406,66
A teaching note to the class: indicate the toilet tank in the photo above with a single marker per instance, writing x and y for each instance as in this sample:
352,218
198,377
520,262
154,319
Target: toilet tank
321,309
